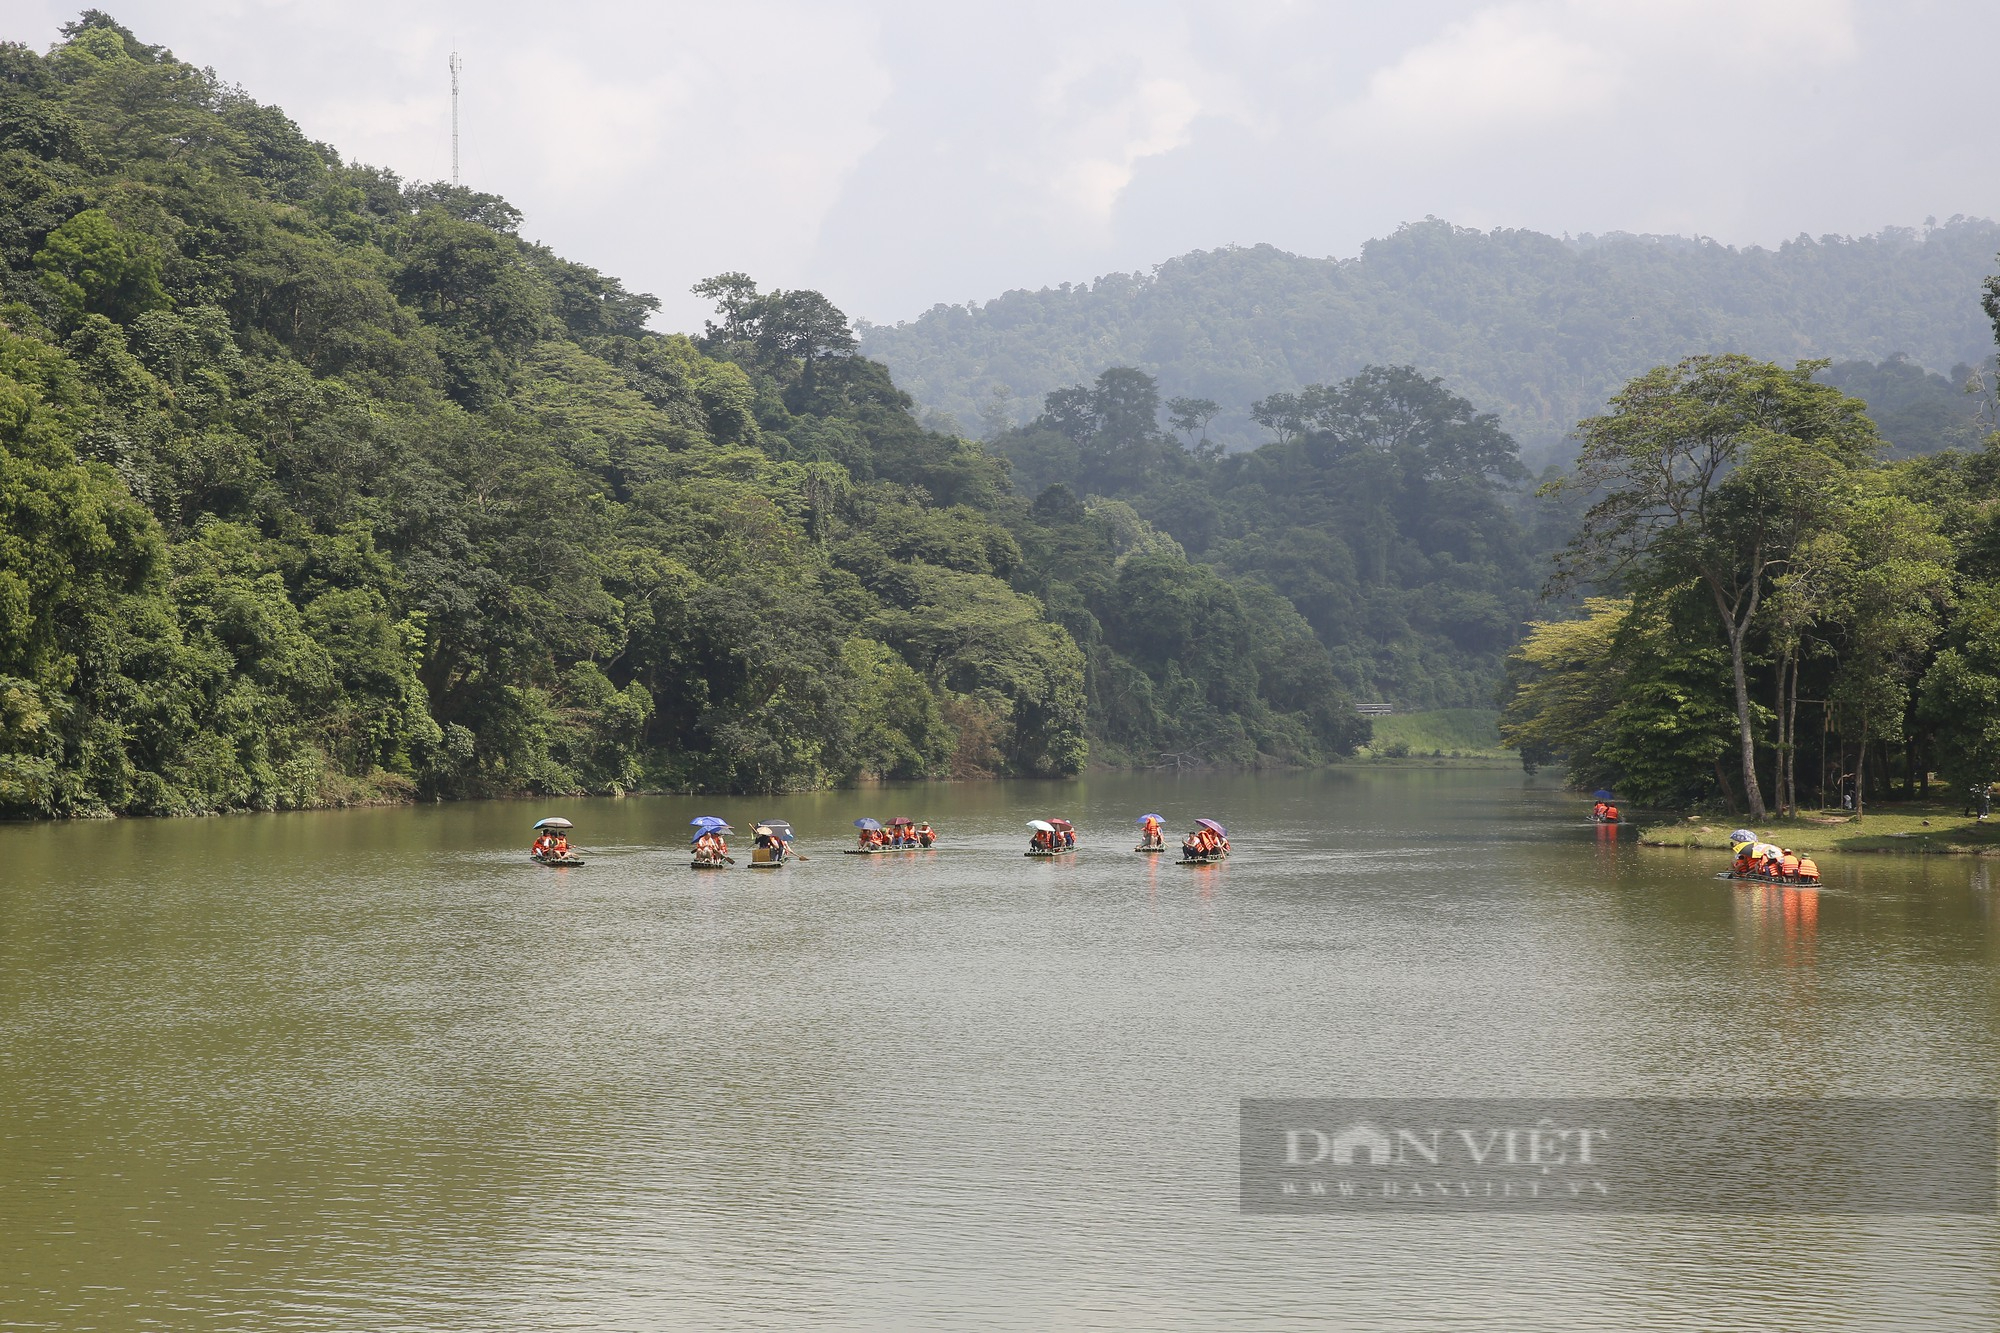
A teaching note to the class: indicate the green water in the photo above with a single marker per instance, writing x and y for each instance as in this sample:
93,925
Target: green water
374,1070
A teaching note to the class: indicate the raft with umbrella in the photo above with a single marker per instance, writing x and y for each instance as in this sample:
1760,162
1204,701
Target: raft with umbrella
1051,827
1212,855
867,826
704,825
1602,795
1161,846
774,837
1744,841
568,858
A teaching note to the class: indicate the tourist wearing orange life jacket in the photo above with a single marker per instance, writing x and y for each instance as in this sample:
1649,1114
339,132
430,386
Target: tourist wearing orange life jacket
1788,866
1808,870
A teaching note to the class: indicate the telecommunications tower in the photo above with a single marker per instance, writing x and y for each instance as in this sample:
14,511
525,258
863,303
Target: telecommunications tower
456,66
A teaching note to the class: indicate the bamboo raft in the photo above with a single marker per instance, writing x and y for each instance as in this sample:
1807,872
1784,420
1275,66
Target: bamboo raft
556,860
1066,851
1768,879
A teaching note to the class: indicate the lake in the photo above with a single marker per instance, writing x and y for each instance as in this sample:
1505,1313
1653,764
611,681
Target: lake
373,1069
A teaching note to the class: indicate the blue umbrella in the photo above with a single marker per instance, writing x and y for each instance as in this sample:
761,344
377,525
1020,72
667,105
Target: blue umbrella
1600,795
708,821
1161,819
1213,827
867,823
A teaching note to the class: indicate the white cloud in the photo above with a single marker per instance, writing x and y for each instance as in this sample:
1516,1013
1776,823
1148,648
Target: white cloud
1093,152
1499,71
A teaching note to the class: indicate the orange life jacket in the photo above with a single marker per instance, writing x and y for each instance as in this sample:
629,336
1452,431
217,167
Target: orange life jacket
1808,868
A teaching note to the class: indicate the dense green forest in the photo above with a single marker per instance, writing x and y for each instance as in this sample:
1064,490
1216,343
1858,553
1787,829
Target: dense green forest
319,486
1785,617
1537,329
1388,513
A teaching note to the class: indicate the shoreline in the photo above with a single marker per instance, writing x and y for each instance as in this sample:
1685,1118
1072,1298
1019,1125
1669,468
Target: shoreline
376,797
1905,829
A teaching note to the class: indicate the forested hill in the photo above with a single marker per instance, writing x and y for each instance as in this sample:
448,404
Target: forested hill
318,486
1538,329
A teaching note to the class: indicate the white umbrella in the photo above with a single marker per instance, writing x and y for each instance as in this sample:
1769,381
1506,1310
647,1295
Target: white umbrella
1042,824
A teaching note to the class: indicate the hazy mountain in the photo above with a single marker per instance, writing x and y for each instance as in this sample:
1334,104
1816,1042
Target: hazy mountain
1538,328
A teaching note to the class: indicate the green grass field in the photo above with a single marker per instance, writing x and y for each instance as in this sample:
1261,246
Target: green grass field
1445,733
1914,827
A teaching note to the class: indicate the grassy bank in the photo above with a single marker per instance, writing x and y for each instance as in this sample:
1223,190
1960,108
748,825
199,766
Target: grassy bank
1917,827
1443,733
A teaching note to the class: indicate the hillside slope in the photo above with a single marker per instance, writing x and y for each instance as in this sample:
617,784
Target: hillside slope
1538,329
319,486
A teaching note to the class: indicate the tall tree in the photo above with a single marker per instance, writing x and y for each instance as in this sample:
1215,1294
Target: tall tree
1894,586
1713,470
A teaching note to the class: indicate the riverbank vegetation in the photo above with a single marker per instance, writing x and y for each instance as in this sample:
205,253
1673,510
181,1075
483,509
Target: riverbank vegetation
317,485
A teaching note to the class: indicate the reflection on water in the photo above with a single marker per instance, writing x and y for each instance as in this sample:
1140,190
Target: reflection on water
374,1070
1782,919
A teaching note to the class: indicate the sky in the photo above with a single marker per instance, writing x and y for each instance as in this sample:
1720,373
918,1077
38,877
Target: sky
897,155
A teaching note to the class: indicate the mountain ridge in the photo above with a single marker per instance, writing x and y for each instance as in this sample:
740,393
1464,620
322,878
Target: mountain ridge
1539,328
